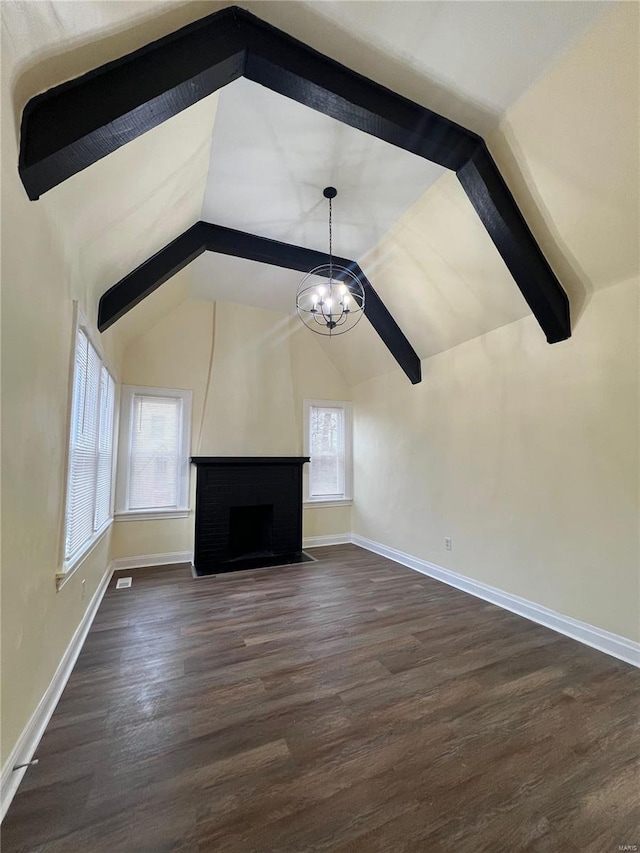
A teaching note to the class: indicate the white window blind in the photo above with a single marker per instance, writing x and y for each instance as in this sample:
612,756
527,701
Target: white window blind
88,506
105,449
155,454
327,452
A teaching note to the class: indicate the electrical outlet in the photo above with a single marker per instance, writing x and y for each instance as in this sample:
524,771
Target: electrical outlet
83,589
447,543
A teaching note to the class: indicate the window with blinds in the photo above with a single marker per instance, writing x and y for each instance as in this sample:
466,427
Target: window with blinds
88,506
328,444
153,464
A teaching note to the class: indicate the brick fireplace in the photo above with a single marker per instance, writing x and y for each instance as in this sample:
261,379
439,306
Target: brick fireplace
248,512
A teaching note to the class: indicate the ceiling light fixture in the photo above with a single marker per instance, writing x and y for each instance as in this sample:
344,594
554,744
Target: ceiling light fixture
330,298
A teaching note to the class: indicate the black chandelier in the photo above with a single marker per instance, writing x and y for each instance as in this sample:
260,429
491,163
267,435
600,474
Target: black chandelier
330,298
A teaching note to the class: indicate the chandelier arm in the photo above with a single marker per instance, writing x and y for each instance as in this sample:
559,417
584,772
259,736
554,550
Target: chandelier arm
331,315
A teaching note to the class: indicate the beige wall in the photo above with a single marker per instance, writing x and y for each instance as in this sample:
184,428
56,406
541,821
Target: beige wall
249,371
38,622
569,150
327,521
526,454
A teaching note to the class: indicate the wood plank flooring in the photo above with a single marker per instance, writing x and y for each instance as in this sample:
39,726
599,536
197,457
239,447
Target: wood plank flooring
344,705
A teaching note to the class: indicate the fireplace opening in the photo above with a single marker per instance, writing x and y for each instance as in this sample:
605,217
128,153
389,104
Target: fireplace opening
250,531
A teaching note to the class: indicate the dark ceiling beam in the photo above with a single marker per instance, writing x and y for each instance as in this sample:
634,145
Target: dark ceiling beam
74,125
79,122
146,278
293,69
500,215
204,236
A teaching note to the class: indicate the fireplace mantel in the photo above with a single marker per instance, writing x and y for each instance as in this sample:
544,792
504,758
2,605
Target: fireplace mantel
249,460
248,512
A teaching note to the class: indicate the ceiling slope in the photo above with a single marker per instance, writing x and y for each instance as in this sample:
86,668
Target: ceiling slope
96,114
203,236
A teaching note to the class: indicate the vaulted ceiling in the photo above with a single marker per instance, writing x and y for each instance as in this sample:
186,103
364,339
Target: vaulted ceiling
250,159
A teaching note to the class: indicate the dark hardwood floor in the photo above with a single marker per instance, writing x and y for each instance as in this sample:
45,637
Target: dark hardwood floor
344,705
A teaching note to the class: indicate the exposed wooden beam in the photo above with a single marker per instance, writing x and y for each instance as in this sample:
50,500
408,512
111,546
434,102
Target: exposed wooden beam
204,236
78,123
496,207
74,125
146,278
291,68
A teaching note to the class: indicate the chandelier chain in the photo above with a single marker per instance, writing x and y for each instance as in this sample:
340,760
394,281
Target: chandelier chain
330,241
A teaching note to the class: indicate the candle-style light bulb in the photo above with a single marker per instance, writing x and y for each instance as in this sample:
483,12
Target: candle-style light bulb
314,300
345,301
321,290
327,302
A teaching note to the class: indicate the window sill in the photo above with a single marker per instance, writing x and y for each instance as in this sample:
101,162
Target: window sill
319,502
152,514
69,568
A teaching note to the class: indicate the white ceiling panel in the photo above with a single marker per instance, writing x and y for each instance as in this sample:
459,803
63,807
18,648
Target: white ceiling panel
488,52
221,278
272,157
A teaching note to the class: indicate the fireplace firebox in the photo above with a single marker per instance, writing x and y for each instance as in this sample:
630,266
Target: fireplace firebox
250,530
248,512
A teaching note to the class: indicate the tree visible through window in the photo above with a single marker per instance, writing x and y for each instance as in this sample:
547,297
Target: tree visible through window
153,458
327,452
328,443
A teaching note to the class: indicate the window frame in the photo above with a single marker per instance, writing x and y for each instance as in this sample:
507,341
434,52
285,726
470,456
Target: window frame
68,565
122,511
329,501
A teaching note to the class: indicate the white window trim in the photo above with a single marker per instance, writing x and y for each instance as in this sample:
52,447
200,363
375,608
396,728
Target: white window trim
122,480
309,503
68,567
330,500
72,565
146,514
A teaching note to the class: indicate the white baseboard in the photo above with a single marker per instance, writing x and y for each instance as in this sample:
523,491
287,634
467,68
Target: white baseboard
32,733
145,561
329,539
611,644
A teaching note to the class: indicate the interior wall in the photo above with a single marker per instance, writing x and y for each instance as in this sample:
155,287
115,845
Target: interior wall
526,454
38,621
569,150
249,371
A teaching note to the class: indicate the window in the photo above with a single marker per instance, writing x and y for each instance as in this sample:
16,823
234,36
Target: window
153,454
328,431
88,504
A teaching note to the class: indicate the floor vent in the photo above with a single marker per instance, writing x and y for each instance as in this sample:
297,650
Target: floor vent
123,583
